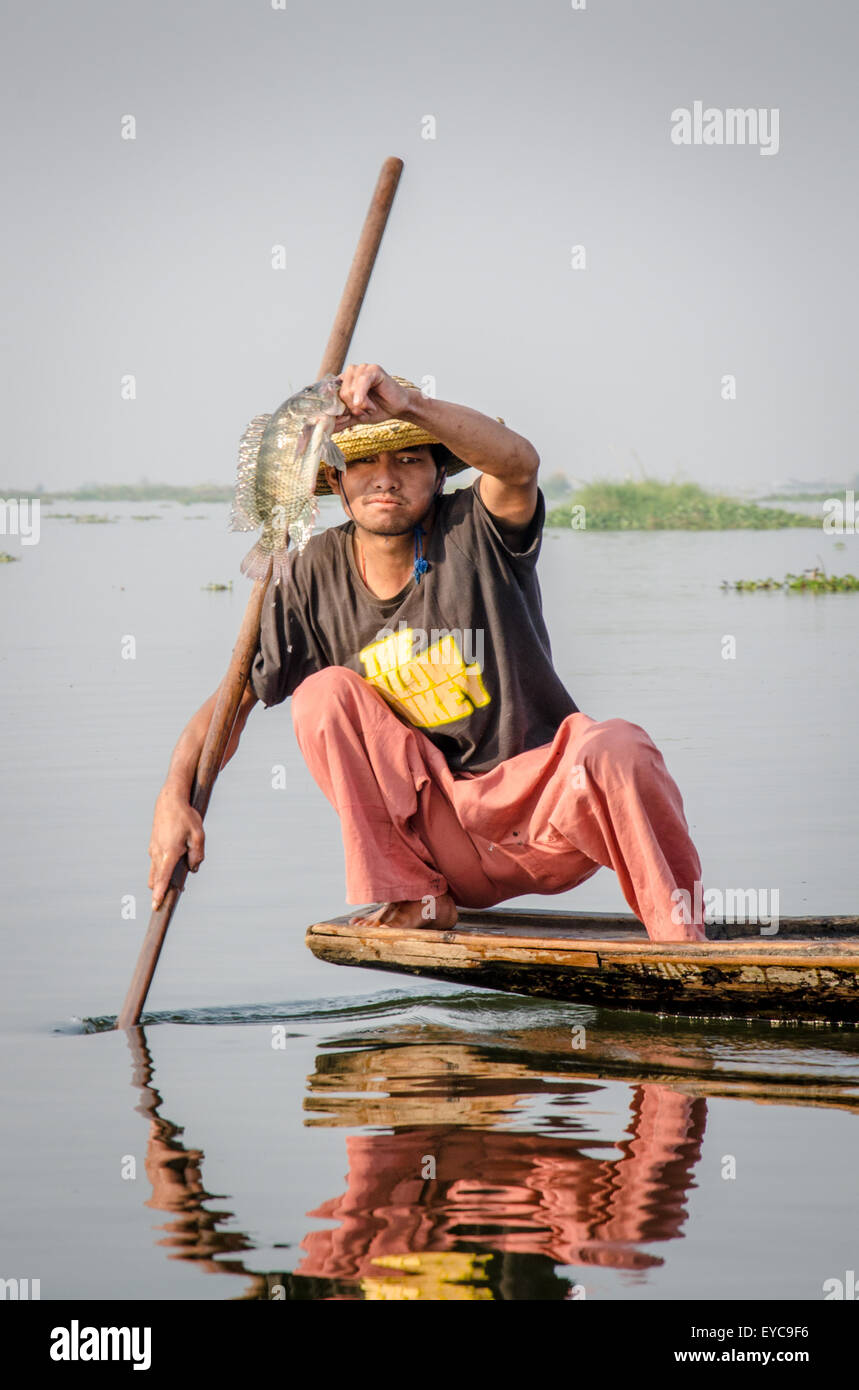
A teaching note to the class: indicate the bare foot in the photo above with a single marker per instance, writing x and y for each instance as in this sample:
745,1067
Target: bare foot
439,913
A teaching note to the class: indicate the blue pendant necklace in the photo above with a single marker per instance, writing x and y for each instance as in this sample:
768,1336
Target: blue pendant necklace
421,565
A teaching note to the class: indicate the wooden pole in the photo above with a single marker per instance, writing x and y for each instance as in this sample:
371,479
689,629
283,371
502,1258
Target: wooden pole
233,685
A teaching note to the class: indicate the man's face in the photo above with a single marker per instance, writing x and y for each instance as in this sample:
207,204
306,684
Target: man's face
390,492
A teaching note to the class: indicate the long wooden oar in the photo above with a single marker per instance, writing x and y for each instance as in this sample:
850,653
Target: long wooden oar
233,685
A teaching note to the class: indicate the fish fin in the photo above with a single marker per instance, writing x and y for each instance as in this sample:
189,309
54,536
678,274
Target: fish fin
302,528
333,455
255,563
244,513
239,519
304,437
281,566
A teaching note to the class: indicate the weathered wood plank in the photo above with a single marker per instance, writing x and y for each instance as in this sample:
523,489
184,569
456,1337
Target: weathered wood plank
506,940
609,960
599,922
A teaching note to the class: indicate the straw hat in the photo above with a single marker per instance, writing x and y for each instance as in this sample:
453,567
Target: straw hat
362,441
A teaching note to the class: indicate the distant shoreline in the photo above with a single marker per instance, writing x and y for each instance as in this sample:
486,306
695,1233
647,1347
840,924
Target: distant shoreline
130,492
802,496
642,505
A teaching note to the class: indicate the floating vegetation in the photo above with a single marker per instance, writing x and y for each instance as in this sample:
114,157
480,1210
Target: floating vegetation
7,559
217,588
82,518
813,581
650,505
146,516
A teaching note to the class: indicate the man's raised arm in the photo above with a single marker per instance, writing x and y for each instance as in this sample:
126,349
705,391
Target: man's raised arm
507,460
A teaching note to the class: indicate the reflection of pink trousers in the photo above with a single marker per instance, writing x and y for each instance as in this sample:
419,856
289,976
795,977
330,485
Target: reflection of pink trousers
541,822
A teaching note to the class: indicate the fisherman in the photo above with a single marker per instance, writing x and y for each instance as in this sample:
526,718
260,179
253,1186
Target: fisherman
411,639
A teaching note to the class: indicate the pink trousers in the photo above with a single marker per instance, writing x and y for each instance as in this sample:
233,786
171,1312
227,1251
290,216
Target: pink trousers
598,795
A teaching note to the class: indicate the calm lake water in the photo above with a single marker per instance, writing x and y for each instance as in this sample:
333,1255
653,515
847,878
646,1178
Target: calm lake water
142,1166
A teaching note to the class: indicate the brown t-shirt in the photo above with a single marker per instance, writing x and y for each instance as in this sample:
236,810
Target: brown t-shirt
463,656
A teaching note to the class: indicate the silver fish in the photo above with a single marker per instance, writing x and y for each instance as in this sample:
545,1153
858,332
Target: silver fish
279,457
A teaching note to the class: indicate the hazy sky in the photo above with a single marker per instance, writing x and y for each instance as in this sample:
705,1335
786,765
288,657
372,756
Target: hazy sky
257,127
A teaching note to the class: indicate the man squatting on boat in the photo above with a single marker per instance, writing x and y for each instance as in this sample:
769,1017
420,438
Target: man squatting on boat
457,781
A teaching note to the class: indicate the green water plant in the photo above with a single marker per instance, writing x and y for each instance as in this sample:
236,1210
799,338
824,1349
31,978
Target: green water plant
651,505
813,581
82,518
217,588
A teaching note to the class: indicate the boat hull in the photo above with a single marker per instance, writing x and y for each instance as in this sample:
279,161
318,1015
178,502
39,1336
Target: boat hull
810,971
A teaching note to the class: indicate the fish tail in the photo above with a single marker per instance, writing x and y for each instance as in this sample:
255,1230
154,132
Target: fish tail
255,563
281,566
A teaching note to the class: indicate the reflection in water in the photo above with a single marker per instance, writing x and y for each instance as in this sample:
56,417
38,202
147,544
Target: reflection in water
517,1193
469,1188
177,1180
454,1203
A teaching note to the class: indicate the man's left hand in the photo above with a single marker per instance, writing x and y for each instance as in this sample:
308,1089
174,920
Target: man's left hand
370,395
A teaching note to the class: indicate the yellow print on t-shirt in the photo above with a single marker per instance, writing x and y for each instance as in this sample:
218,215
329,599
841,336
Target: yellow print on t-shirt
429,687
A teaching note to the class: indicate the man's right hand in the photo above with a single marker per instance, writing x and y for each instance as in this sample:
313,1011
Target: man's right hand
176,827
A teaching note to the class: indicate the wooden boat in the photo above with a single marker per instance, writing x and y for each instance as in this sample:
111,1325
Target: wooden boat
809,970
